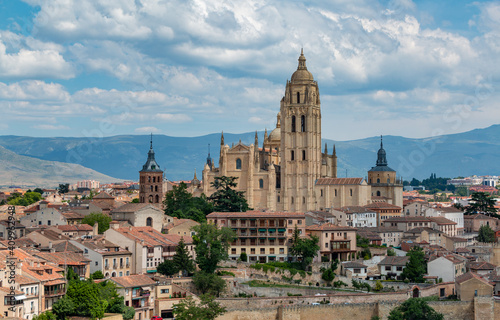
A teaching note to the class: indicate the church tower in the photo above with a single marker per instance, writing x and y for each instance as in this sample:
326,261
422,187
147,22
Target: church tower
300,151
384,183
151,180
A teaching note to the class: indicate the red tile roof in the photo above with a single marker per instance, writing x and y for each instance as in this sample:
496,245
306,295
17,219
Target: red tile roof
137,280
256,214
329,227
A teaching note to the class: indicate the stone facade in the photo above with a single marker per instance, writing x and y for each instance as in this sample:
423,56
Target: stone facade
151,180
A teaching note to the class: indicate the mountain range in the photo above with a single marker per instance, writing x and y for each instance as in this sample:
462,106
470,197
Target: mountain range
462,154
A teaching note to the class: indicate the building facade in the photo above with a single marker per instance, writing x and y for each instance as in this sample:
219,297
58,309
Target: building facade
151,180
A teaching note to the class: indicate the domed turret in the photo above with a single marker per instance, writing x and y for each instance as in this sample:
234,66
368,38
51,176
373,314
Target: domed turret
302,74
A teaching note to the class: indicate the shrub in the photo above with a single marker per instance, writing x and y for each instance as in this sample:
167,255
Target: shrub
243,257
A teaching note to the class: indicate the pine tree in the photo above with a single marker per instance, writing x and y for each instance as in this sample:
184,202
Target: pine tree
182,260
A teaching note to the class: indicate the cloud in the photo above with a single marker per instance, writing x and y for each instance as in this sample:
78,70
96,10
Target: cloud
51,127
147,130
166,117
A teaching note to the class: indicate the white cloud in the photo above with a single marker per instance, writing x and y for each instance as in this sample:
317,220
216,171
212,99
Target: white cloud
167,117
51,127
147,130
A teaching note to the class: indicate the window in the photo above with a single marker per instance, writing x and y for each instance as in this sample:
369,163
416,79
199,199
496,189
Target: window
351,192
298,97
292,199
238,164
233,250
97,263
293,123
378,180
292,155
388,180
48,222
335,192
164,290
378,193
262,251
154,179
261,183
303,154
121,274
387,268
321,192
303,123
303,199
357,270
149,222
399,268
252,250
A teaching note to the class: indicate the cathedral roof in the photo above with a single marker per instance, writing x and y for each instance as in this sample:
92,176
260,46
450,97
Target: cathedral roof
302,73
151,165
275,135
381,160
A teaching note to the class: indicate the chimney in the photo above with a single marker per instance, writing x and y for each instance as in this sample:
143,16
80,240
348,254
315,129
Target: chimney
96,229
50,244
114,225
142,242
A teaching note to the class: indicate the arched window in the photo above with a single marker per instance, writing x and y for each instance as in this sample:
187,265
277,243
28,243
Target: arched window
238,164
150,199
113,274
157,200
149,222
261,183
292,155
378,180
378,193
303,199
156,188
351,192
298,97
303,123
149,179
293,123
303,154
388,180
151,187
154,179
291,199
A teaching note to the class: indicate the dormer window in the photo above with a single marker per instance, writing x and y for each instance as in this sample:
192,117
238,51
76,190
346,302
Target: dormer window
153,167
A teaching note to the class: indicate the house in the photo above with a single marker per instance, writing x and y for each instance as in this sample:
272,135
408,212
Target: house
77,262
138,292
482,268
359,216
12,306
384,211
6,232
472,223
139,215
45,215
470,285
392,266
424,234
354,270
406,223
77,230
454,243
320,217
263,236
335,242
373,237
149,247
391,236
73,217
444,225
46,237
446,267
181,227
167,295
105,256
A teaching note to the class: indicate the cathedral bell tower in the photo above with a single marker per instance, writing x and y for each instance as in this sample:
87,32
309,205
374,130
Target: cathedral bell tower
300,151
151,180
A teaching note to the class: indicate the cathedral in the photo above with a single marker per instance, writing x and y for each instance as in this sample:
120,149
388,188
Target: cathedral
288,171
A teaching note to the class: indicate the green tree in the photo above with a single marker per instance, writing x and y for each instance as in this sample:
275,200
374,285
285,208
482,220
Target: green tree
328,275
391,252
63,188
167,268
304,249
71,274
208,283
136,200
414,309
102,219
378,286
481,202
486,234
181,204
211,245
225,198
38,190
108,292
416,266
24,200
97,275
182,260
86,298
243,257
128,313
47,315
63,307
207,309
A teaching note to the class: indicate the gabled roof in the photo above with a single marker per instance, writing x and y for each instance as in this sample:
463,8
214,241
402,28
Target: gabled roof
75,227
420,229
481,266
471,275
133,207
408,219
442,221
338,181
103,195
355,209
394,261
381,205
136,280
152,237
353,264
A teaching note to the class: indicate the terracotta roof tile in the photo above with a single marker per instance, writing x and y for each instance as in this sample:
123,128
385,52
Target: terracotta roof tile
329,227
256,214
137,280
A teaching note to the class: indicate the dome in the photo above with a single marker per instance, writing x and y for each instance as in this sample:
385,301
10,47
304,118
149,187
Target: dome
275,135
302,73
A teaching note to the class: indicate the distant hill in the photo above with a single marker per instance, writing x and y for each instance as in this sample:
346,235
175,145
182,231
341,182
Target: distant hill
28,171
473,152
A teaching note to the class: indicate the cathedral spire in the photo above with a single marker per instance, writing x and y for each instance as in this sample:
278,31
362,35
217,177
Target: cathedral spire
195,178
381,155
256,144
265,135
151,142
334,151
326,148
151,164
209,158
222,138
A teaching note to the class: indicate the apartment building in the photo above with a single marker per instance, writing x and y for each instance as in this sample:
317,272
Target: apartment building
336,242
139,293
263,236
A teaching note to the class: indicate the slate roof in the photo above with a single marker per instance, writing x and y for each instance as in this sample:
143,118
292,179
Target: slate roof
353,264
394,261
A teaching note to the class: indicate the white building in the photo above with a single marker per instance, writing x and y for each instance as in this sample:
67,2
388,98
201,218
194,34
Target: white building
360,217
45,215
447,267
392,267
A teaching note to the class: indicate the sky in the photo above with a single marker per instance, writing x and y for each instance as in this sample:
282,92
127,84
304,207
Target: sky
90,68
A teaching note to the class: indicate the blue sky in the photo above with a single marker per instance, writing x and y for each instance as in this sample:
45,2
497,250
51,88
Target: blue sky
189,68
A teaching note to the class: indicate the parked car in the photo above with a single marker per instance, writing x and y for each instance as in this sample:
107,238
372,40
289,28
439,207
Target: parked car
156,318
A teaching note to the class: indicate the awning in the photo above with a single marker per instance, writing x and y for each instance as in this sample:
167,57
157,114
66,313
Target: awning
281,230
151,271
272,238
21,297
272,230
146,288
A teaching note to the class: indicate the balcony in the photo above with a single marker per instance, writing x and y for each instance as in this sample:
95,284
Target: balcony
54,293
121,265
115,266
106,267
151,254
